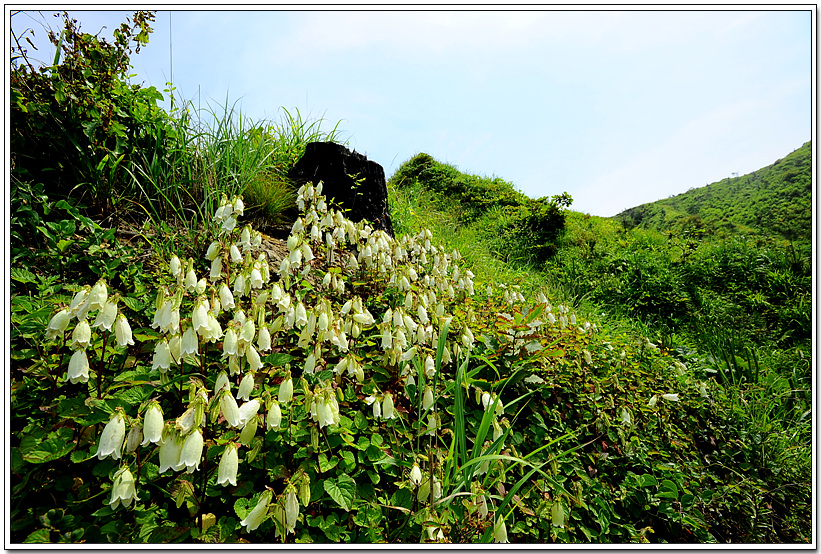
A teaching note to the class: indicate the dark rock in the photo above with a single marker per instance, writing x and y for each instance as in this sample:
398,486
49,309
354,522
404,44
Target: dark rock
350,181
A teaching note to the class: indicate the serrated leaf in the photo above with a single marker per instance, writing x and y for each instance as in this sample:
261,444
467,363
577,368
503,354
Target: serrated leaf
23,276
38,536
342,490
54,446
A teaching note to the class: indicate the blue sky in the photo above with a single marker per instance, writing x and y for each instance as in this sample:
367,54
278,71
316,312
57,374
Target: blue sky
615,107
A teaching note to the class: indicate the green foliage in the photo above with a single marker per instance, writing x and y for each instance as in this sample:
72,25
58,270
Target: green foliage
529,229
773,201
78,124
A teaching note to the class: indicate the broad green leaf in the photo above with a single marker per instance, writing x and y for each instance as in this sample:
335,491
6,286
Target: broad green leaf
22,275
40,535
342,490
325,464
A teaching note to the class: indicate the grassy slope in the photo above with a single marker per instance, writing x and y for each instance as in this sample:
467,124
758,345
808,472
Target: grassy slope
621,279
775,200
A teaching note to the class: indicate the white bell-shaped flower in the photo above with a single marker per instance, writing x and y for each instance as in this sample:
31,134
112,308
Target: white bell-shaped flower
229,464
190,343
170,452
78,367
162,355
124,489
122,331
58,324
81,335
191,452
249,429
98,296
229,409
153,424
79,303
291,510
111,440
256,516
274,417
248,410
246,387
415,475
286,390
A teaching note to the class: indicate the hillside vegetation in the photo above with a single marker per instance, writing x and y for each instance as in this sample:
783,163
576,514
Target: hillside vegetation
504,370
775,201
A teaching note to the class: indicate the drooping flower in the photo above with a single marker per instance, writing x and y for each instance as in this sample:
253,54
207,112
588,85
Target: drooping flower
274,417
264,340
78,303
135,435
191,452
229,463
229,344
229,408
226,297
98,296
58,324
249,430
176,266
500,531
216,268
387,406
427,398
124,489
286,390
248,410
170,452
291,509
81,335
256,516
190,281
670,397
162,356
78,367
153,424
107,315
199,318
122,331
251,354
190,343
111,440
415,475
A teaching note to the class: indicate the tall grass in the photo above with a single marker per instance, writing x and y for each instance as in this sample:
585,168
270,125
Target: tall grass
218,150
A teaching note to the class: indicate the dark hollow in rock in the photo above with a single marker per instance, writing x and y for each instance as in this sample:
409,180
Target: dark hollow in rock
350,181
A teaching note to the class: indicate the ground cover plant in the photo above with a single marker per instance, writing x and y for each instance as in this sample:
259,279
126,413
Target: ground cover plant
499,373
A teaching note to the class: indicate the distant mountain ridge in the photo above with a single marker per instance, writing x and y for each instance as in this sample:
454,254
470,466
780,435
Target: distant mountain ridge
773,201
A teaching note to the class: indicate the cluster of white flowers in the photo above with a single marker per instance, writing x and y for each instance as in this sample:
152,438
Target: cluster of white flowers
236,308
86,301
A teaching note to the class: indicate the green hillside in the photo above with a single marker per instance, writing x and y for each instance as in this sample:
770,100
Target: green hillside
502,370
774,201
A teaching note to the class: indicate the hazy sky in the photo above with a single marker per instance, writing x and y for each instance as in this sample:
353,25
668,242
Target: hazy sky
617,108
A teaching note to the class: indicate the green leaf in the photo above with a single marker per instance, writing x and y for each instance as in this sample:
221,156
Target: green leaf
342,490
40,535
325,465
648,480
22,275
668,490
360,421
132,303
55,445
